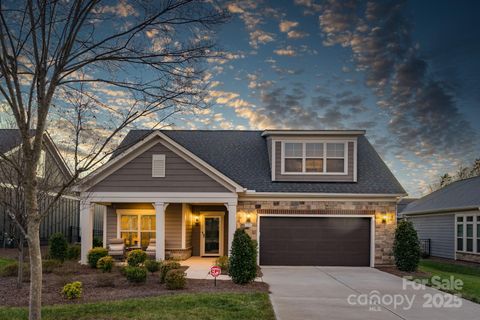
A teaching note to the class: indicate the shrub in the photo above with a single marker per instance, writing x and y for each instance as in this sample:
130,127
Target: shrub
95,254
152,265
175,279
73,252
11,270
72,290
136,257
97,242
49,265
406,247
243,258
105,264
223,263
58,247
136,274
105,280
167,266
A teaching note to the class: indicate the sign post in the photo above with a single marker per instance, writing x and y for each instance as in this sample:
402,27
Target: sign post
215,271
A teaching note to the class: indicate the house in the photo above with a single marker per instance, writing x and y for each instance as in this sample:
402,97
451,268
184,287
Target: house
450,219
402,204
63,217
309,197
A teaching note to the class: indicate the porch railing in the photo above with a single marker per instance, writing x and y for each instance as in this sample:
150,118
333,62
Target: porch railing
425,247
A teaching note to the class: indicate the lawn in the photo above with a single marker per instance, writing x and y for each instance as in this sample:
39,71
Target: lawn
4,262
229,306
470,275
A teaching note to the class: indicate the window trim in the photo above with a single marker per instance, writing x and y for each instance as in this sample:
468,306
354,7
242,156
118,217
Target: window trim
475,238
304,152
134,212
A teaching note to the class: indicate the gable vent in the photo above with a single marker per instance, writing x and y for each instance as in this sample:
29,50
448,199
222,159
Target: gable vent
158,165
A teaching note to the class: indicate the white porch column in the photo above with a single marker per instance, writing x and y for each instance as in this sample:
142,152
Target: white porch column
86,226
160,229
232,223
104,226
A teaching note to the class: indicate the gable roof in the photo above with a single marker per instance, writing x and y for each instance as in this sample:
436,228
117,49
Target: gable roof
458,195
403,203
243,157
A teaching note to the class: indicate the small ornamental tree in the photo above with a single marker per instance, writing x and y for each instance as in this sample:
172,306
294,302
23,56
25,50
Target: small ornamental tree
243,258
406,247
58,247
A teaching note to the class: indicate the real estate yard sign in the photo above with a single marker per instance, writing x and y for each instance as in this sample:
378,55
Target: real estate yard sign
215,271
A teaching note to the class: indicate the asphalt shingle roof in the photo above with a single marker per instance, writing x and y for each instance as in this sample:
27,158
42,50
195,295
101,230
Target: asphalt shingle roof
243,157
459,194
10,138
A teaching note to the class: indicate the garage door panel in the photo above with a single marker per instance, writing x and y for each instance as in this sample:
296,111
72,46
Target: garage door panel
319,241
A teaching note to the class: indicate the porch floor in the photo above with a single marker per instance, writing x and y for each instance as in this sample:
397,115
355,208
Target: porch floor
199,268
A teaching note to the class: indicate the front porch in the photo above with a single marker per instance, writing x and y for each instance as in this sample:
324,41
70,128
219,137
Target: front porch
196,226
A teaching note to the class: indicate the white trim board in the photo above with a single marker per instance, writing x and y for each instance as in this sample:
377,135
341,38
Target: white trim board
372,228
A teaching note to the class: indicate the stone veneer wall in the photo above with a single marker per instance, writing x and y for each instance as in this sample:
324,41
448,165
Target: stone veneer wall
468,257
384,232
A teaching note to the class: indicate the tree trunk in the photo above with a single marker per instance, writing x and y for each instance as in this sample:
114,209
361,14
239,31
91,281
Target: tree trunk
20,261
35,304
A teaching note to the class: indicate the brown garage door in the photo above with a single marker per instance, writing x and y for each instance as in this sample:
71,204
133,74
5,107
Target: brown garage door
306,241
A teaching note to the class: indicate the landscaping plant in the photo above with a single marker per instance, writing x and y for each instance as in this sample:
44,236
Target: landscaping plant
105,264
152,265
243,258
97,242
135,274
406,247
72,290
167,266
136,257
95,254
58,247
175,279
73,252
50,265
223,263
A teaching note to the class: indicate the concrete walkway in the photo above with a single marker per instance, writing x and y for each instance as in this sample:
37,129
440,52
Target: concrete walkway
336,292
199,268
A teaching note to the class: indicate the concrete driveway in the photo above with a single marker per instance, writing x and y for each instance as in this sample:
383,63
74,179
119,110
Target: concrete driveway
343,293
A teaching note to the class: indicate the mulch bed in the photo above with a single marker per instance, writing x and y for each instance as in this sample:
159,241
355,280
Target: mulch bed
393,270
98,286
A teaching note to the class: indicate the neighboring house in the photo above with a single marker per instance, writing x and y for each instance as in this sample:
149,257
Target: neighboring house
307,197
64,216
450,219
402,204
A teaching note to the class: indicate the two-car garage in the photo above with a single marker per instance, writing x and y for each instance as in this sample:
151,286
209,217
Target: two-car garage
315,241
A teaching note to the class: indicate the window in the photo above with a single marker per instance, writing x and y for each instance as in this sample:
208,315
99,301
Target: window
41,165
137,229
468,233
158,165
314,158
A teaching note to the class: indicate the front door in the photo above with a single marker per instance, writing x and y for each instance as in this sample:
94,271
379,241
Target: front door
212,234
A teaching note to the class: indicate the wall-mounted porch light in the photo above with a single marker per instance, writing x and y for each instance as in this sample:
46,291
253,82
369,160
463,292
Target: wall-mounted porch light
384,219
197,220
248,217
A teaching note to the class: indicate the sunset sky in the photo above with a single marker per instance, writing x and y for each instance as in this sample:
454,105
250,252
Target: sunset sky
406,71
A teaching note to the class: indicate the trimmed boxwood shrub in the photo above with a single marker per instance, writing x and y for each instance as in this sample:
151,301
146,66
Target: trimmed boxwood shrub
135,274
105,263
72,290
175,279
243,258
95,254
152,265
406,247
58,247
223,263
73,252
11,270
136,257
167,266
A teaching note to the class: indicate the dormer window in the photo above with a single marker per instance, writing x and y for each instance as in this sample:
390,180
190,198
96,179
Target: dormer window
315,157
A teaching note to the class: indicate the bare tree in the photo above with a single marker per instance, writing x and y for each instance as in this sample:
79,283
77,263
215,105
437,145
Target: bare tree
461,173
60,62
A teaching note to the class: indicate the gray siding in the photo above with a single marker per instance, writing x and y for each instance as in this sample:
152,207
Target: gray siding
173,226
440,229
335,178
180,176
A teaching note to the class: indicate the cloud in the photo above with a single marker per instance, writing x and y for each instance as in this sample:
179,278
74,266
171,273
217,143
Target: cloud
234,8
288,51
294,34
260,37
286,25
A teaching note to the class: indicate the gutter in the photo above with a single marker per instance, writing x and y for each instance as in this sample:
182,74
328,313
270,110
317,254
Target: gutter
468,208
253,193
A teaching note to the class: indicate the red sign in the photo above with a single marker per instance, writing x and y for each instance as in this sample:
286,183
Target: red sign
215,271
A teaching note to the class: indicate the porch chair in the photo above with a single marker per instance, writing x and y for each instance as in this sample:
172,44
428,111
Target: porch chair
116,248
151,249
